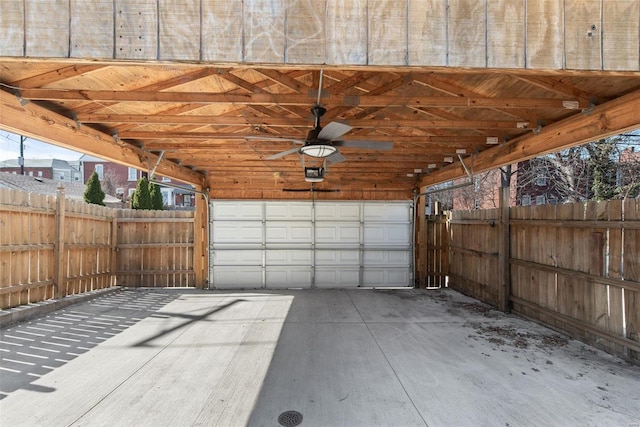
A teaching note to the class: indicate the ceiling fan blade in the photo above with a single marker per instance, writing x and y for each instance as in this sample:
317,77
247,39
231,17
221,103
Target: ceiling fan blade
282,154
334,130
273,138
335,158
373,145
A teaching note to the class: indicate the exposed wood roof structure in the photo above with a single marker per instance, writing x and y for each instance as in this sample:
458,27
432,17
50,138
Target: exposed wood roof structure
198,117
180,87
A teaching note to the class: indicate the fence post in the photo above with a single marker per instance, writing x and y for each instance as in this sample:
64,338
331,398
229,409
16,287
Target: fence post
113,265
58,249
201,243
420,242
504,291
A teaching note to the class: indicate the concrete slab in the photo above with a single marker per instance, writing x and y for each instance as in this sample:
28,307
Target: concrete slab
340,358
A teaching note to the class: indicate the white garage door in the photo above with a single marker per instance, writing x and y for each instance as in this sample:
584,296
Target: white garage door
269,244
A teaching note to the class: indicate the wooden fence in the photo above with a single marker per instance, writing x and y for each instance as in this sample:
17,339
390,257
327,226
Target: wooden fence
155,248
51,247
575,267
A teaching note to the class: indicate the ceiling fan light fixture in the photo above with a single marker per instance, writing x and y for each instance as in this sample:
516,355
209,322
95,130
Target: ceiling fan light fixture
318,150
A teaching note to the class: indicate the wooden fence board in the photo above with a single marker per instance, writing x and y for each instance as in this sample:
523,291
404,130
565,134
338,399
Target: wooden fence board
573,266
82,246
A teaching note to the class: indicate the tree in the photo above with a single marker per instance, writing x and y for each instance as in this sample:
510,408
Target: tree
111,181
141,199
156,196
93,193
603,167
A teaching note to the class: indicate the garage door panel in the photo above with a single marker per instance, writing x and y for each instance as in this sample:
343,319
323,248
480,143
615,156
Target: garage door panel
337,277
237,211
381,234
387,212
337,234
235,232
388,276
235,277
390,258
286,257
238,257
288,277
289,233
288,211
332,212
337,258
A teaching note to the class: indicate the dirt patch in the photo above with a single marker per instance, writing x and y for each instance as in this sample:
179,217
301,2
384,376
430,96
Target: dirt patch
478,308
440,296
506,335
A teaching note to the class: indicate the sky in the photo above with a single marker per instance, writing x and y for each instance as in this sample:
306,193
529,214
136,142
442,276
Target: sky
33,149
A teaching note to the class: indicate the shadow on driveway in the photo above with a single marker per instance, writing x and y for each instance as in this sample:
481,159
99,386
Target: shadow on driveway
34,348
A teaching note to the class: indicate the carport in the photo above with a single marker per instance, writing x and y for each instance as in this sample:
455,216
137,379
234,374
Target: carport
421,93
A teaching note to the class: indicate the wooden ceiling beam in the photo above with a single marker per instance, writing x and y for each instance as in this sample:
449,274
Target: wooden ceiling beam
227,75
37,122
57,75
554,85
284,80
292,122
299,99
454,88
614,117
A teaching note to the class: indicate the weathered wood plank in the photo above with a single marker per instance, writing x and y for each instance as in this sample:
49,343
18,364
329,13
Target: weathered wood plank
506,34
621,36
346,32
222,31
387,25
47,28
91,28
12,26
179,30
305,32
427,32
467,29
136,31
264,31
583,34
545,45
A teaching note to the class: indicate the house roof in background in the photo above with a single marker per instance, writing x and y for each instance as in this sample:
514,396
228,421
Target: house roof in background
73,190
38,163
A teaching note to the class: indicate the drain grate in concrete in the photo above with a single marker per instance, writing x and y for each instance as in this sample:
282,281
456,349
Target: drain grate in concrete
290,418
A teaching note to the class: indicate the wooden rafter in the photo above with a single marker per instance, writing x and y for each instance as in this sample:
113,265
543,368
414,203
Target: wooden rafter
37,122
297,99
199,115
614,117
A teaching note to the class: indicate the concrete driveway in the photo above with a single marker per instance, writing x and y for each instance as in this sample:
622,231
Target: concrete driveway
334,357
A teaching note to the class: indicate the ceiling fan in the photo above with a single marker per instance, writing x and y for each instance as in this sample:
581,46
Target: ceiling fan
322,142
